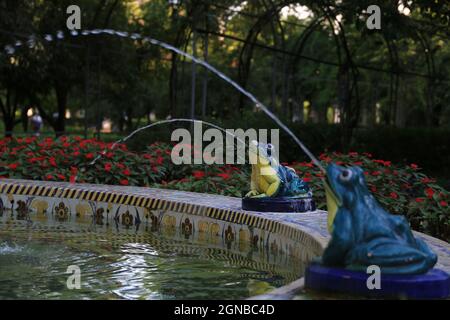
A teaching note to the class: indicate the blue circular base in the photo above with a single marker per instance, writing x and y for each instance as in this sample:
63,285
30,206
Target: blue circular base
435,284
281,204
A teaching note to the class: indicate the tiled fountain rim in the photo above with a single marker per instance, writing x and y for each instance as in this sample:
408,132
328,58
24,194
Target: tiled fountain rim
213,206
307,228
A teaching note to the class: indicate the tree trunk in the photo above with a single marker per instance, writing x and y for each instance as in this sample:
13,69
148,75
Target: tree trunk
9,110
344,97
9,126
61,100
24,118
173,86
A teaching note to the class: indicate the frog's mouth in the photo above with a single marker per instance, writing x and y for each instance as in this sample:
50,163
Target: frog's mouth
333,203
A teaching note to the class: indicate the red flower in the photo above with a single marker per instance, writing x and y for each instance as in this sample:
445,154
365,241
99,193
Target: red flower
120,166
357,163
414,166
72,179
52,161
61,177
426,180
109,155
76,153
393,195
159,160
126,172
49,177
225,176
376,173
443,203
419,200
108,167
325,157
307,179
384,163
13,166
124,182
198,174
90,155
29,140
429,192
306,164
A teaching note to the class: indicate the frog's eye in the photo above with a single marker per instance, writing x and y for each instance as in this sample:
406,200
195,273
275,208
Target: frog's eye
345,175
270,149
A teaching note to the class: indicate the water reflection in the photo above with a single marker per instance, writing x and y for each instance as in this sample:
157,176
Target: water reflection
34,257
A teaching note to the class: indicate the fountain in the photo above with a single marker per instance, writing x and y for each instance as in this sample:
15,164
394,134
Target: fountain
274,187
363,235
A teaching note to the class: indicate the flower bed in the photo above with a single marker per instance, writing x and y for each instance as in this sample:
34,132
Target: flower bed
400,189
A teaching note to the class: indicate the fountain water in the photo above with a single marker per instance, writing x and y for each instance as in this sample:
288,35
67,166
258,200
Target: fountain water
166,122
135,36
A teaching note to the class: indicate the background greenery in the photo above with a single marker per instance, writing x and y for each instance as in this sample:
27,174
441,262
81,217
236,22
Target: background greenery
389,87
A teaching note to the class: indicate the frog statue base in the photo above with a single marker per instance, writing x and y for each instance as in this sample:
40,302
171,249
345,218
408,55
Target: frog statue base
435,284
279,204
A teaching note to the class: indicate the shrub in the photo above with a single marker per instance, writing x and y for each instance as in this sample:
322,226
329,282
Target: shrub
401,189
68,159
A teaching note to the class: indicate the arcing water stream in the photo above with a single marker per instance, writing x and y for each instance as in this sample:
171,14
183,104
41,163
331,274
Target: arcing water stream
165,122
31,42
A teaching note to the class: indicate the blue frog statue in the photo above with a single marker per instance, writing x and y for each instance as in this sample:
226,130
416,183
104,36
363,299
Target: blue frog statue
271,179
275,187
364,234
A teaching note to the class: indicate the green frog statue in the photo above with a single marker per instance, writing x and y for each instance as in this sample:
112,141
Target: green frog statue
275,187
364,234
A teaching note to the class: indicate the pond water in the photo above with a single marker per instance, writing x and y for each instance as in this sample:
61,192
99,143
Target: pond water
34,258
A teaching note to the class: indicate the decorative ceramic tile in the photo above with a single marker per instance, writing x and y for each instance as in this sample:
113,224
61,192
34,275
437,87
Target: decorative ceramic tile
215,220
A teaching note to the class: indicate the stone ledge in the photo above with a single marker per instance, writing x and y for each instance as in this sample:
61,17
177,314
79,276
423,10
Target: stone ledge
307,228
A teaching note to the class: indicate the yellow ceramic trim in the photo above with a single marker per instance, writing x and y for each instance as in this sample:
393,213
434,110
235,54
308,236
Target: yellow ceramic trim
240,217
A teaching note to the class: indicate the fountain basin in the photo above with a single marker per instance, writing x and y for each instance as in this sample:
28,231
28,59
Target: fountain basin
186,232
274,246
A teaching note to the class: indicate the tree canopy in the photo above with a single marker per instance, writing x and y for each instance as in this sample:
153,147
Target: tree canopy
309,61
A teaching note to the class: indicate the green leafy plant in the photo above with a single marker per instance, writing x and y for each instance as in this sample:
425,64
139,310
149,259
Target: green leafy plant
400,189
